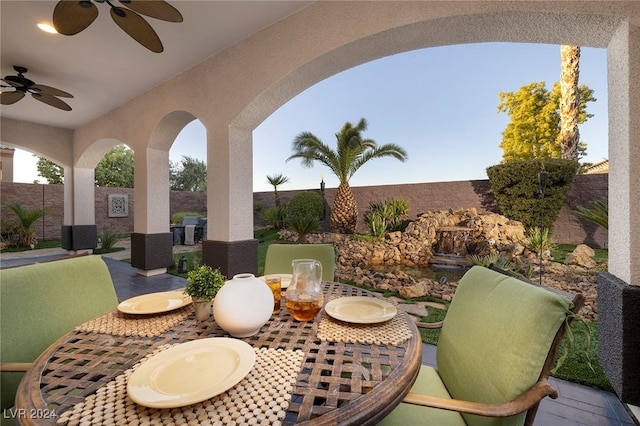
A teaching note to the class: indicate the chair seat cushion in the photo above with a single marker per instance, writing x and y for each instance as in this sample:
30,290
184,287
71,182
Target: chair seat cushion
427,383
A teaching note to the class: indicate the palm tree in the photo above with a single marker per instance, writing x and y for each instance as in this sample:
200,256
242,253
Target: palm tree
569,101
277,180
26,219
352,153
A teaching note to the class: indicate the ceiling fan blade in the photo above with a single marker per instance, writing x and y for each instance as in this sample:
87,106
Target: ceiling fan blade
72,16
139,29
52,100
158,9
52,91
13,81
8,98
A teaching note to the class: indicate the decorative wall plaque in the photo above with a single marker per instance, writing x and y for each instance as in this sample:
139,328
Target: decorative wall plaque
118,205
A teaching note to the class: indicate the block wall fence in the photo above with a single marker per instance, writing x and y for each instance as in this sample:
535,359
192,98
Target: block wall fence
422,197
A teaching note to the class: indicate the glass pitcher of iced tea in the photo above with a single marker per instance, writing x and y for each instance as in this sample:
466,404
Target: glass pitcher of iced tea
304,297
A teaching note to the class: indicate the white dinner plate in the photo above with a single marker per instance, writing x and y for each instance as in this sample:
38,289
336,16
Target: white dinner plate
191,372
360,309
154,303
285,280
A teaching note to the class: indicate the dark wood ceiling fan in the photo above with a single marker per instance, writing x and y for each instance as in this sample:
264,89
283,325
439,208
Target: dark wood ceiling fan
22,85
72,16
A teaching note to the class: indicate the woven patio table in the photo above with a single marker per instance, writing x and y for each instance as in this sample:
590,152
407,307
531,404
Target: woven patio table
317,372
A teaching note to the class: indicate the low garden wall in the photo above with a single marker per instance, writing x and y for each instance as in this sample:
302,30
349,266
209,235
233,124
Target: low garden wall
422,197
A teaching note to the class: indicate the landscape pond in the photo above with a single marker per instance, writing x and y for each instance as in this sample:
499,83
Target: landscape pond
432,272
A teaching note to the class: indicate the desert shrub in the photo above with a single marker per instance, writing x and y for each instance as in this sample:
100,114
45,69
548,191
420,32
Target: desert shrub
377,226
306,204
177,217
386,216
109,239
9,234
539,241
486,259
303,226
501,261
515,187
275,217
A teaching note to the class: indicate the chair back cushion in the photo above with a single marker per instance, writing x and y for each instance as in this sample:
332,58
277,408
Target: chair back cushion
43,301
495,339
279,256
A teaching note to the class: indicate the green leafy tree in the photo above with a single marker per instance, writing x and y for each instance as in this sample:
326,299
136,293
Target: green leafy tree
49,170
276,181
190,174
115,170
352,152
534,129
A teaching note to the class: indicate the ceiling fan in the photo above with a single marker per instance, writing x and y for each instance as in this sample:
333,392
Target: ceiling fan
22,85
72,16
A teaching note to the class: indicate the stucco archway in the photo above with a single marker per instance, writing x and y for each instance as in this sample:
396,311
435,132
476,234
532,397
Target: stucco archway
560,27
618,290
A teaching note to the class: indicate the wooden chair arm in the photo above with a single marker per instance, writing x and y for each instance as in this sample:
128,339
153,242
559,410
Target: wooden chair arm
525,401
15,366
429,324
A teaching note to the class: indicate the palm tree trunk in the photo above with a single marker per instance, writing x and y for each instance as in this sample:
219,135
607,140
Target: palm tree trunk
569,101
276,197
344,217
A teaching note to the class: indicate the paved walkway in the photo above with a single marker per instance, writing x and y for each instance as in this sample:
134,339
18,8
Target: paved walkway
577,405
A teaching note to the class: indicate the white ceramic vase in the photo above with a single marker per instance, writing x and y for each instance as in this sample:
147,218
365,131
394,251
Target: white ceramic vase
243,305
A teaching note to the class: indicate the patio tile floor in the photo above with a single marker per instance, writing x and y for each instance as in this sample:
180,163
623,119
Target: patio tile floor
576,404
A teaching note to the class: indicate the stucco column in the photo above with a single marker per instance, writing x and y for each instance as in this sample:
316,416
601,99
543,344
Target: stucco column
229,243
79,232
619,289
151,241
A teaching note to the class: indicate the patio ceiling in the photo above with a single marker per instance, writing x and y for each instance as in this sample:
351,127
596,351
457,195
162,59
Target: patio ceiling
103,67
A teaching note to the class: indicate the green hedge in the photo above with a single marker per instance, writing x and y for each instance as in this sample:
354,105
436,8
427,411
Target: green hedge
307,203
515,187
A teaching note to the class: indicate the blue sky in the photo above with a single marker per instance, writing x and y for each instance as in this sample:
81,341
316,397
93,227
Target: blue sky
440,104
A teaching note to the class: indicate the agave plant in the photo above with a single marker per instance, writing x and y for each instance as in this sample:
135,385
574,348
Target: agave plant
539,240
386,216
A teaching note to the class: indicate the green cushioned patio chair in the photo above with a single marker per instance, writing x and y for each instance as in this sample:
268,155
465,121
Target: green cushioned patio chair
279,257
494,354
41,302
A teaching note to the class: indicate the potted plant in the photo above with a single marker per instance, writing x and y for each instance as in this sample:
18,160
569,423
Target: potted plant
202,285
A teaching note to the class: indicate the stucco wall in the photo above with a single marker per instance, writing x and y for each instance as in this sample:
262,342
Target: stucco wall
422,197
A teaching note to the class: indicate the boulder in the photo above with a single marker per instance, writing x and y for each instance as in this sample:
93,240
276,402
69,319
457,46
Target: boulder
414,289
581,256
